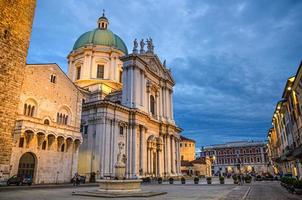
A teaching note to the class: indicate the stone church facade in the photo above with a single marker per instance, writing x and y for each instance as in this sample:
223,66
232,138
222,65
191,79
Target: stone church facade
129,101
47,132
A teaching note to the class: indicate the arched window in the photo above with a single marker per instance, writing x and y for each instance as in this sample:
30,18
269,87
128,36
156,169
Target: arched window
152,105
44,145
32,111
46,121
53,78
62,147
25,109
28,110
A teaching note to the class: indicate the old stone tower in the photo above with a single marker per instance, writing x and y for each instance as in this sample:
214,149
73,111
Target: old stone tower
16,18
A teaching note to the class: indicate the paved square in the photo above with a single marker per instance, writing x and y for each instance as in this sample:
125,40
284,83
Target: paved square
254,191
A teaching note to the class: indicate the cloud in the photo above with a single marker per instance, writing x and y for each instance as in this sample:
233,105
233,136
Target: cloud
230,59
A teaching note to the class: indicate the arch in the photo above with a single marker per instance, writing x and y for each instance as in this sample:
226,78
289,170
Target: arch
30,107
27,165
46,122
50,140
40,138
69,141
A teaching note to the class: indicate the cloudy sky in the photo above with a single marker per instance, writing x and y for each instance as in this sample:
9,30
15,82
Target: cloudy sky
230,59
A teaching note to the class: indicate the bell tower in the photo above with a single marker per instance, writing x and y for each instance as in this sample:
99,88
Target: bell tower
15,29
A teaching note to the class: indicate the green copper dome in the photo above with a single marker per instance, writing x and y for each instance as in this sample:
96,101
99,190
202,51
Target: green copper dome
101,37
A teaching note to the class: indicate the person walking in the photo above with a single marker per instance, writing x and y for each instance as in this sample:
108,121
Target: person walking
76,180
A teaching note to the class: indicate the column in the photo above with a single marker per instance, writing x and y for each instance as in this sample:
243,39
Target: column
165,153
102,147
172,112
148,100
151,161
133,163
157,105
160,103
178,157
128,152
142,88
168,155
173,154
163,102
107,147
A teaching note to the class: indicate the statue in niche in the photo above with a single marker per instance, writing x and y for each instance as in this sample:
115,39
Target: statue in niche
120,163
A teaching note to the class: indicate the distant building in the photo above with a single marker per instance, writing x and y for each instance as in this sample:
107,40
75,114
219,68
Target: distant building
187,149
197,167
234,157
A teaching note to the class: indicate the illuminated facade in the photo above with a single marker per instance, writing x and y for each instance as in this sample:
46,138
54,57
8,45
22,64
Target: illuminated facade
187,149
129,101
47,132
235,157
285,137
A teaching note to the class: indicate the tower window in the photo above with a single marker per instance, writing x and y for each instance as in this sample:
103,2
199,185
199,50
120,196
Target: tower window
100,71
21,142
53,78
78,73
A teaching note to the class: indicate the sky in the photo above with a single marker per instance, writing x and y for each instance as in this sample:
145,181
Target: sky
230,59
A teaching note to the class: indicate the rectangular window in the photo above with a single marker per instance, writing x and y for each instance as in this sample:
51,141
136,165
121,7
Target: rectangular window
100,71
86,129
121,77
78,73
121,130
21,142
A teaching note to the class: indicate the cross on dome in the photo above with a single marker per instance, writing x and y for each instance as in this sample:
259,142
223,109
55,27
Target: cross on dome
103,21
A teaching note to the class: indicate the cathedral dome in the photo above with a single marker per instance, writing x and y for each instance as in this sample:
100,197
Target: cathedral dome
101,36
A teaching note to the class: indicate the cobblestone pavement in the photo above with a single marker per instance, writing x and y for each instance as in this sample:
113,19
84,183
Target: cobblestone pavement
270,191
254,191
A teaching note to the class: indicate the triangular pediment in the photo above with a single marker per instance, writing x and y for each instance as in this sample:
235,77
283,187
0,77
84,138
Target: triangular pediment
154,64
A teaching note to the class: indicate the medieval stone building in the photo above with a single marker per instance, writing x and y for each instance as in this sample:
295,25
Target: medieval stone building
47,132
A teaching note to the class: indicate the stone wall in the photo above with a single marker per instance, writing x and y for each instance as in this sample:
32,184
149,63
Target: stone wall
15,29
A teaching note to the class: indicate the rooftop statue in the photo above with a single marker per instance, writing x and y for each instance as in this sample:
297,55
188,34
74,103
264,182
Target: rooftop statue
135,45
142,44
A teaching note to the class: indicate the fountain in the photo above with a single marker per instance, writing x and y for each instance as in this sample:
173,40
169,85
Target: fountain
119,186
120,183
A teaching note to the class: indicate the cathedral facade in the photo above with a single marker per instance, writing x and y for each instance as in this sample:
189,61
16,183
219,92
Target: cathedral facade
129,102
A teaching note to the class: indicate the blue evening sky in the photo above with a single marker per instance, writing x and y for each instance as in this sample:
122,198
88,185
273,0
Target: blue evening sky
230,59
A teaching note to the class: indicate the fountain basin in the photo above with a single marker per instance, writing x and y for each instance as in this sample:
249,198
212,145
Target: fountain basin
119,185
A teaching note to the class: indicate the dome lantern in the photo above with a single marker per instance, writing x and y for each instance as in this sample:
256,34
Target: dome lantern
103,22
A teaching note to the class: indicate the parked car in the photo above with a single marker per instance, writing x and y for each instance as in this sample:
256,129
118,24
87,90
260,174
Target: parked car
17,180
